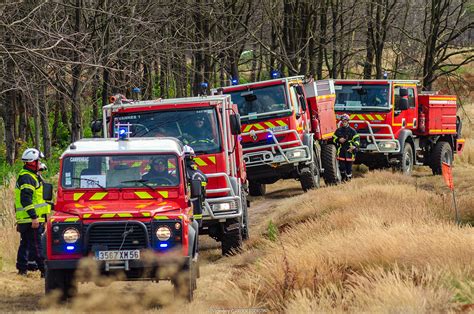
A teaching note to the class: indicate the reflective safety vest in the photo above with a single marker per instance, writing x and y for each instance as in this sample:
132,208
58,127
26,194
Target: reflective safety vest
38,203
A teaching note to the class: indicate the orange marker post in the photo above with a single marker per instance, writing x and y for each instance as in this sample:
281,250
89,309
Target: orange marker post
447,171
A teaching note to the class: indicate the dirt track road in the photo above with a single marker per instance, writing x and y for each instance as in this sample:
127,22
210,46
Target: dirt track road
26,294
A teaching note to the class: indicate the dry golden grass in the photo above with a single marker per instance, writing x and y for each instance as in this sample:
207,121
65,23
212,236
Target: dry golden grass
381,243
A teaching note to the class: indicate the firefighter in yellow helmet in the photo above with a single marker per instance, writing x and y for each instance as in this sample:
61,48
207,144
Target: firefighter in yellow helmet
30,210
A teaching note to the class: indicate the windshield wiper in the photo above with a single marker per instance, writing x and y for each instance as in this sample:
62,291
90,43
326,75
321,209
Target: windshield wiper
92,181
142,181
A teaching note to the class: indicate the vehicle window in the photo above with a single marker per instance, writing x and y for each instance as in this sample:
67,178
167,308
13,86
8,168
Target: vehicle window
360,97
294,99
260,100
119,171
198,128
411,98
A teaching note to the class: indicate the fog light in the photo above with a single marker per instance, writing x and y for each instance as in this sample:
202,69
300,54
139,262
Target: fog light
297,153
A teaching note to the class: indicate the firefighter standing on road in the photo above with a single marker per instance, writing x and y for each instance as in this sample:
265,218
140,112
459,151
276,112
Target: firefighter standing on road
30,211
193,173
347,141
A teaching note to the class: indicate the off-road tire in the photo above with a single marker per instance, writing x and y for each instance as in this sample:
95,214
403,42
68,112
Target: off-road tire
310,176
442,152
185,282
245,216
332,174
257,189
231,241
406,160
59,279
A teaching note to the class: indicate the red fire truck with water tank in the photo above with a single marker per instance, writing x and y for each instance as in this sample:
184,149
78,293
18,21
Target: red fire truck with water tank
106,210
211,126
398,126
287,125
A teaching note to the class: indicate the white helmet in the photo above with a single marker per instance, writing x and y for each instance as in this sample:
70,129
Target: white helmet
188,151
31,154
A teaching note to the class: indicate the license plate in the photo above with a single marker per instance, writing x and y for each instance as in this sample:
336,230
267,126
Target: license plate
117,255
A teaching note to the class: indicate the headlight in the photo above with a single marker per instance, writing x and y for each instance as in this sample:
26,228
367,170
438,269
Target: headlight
224,206
297,153
387,145
71,235
163,233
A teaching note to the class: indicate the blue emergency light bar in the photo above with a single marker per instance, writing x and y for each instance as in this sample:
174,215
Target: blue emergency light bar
275,74
122,131
234,81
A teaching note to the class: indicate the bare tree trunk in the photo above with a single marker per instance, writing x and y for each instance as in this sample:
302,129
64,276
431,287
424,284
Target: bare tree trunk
44,116
76,113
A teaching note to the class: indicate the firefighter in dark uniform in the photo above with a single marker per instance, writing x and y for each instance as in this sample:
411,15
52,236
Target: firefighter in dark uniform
30,211
193,173
347,142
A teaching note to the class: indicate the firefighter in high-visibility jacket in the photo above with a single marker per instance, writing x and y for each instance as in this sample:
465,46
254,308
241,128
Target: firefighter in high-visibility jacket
347,142
30,211
193,173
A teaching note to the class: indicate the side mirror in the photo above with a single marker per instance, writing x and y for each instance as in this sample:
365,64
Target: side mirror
96,126
302,101
235,125
403,92
196,190
48,192
299,90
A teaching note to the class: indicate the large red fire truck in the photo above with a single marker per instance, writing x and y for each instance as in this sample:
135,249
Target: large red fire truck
210,125
399,127
287,125
107,211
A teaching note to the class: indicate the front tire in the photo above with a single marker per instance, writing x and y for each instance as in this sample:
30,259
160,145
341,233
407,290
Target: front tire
406,160
442,152
310,176
231,241
245,216
186,282
59,279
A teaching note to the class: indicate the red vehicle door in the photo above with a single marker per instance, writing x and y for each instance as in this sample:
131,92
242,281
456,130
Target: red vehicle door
405,118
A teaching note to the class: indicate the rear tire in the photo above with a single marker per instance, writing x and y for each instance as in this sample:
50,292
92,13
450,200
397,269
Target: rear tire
257,189
231,242
59,279
442,152
332,174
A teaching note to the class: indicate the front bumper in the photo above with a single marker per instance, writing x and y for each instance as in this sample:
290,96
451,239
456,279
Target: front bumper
142,268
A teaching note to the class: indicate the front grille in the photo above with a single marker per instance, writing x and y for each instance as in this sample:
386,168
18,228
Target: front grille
263,142
109,235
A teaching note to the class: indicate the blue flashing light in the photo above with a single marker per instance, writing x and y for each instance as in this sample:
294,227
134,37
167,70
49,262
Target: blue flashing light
136,90
385,75
70,247
234,81
269,136
275,74
163,245
204,85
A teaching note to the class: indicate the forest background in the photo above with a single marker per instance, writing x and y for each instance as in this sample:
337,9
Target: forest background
61,60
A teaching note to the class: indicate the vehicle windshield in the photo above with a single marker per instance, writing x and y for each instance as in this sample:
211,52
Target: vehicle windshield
362,97
198,128
260,100
119,171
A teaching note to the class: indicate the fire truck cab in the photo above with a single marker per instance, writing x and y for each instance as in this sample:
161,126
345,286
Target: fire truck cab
399,127
211,126
280,118
108,211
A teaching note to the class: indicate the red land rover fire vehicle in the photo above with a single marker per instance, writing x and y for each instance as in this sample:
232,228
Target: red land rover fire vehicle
399,127
106,210
210,125
287,125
